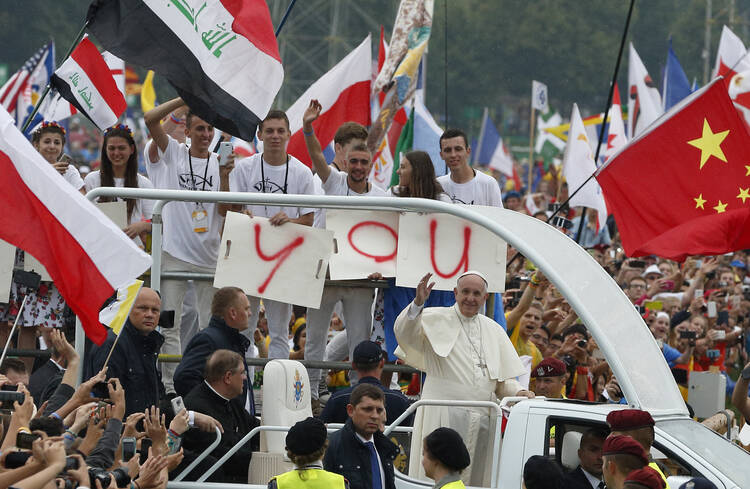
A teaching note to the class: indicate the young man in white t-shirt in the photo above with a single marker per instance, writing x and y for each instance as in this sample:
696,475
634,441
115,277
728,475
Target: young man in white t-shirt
273,172
463,184
192,231
356,301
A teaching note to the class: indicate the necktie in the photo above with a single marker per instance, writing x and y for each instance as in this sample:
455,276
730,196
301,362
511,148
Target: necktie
374,466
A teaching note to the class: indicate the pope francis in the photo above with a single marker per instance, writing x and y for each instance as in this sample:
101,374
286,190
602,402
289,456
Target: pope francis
466,356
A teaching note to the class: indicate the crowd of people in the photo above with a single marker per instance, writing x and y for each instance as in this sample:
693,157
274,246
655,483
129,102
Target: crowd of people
697,312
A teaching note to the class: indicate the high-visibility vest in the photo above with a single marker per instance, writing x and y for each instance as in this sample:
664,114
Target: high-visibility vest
312,479
454,485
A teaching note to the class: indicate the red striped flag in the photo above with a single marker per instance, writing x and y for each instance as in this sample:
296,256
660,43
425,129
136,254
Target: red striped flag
344,93
87,256
220,55
85,80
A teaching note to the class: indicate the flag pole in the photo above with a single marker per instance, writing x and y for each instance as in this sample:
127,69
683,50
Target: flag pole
601,129
112,349
12,330
78,38
531,148
283,19
606,110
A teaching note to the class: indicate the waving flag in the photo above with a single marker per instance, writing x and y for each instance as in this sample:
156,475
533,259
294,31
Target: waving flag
221,55
675,85
115,314
398,77
85,80
490,149
579,165
344,93
700,148
731,57
615,137
87,256
644,102
21,91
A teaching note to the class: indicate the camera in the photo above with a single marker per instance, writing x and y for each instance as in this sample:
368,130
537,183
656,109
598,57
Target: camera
690,335
16,459
122,479
25,440
569,361
7,398
71,463
581,343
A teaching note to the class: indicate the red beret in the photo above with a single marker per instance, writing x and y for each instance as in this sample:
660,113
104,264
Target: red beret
624,445
549,367
629,419
647,477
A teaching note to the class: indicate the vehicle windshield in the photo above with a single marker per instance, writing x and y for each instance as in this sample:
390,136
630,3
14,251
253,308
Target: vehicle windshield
728,458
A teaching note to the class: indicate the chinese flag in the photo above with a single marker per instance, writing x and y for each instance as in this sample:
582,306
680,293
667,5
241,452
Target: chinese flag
683,187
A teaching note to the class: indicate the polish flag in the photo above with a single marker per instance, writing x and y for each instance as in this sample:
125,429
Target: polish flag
344,93
85,80
730,58
87,256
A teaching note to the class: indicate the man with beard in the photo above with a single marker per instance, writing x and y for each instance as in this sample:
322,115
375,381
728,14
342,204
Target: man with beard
356,301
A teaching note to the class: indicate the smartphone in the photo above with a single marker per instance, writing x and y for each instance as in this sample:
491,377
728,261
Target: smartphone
690,335
668,285
128,448
637,263
225,149
145,445
177,405
25,440
722,317
64,158
71,463
16,459
721,334
9,387
711,309
698,293
698,264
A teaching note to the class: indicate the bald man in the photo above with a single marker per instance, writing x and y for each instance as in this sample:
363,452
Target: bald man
467,356
134,356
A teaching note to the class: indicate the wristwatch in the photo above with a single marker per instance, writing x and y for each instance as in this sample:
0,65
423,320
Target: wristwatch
746,373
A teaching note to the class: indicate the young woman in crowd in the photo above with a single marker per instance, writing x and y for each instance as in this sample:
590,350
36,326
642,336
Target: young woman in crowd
45,306
299,340
416,178
119,168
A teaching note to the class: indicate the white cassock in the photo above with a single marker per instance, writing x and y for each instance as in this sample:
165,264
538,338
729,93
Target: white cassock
464,358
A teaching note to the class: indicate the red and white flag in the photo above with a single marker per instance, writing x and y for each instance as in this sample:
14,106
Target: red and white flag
87,256
344,93
616,138
644,101
85,80
730,58
220,55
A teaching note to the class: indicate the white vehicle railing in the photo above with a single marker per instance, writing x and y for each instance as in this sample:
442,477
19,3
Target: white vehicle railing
618,329
200,457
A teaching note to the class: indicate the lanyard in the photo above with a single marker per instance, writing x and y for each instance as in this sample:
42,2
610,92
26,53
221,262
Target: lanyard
205,173
263,174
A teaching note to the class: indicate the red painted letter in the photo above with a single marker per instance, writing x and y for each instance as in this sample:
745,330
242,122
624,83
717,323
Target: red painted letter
377,258
464,255
281,256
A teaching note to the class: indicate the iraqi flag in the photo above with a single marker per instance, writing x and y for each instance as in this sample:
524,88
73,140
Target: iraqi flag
87,256
344,93
221,55
85,80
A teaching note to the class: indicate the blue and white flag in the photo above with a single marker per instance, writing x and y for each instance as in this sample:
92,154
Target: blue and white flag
675,84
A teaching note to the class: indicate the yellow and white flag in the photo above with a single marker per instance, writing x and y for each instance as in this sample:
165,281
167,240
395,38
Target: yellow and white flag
115,314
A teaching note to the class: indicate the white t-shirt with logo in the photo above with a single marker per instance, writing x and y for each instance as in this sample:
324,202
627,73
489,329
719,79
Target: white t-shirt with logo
480,190
248,177
337,184
142,209
172,171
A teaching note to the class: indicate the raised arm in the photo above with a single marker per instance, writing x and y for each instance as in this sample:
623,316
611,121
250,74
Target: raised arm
153,122
311,141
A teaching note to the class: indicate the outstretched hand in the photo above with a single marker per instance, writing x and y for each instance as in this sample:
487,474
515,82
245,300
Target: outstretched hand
311,113
423,290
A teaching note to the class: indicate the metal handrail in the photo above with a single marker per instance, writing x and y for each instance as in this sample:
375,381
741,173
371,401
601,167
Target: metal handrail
200,457
454,403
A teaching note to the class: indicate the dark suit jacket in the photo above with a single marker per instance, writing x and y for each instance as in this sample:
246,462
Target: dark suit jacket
217,336
576,479
235,420
133,361
44,381
395,404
